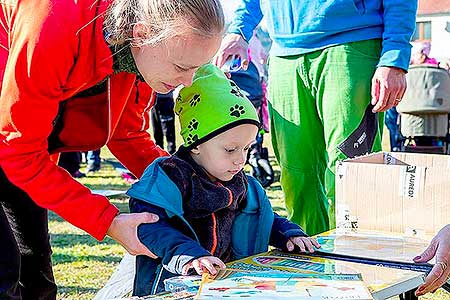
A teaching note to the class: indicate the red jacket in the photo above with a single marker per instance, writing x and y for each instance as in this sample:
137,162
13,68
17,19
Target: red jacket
49,51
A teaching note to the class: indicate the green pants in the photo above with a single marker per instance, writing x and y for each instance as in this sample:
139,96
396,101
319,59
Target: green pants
319,107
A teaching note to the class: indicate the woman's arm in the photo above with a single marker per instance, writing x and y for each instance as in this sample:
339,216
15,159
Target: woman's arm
173,247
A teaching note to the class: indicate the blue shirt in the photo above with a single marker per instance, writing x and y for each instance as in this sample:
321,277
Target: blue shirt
303,26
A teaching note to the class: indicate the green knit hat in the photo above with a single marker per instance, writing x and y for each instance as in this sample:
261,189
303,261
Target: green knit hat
210,106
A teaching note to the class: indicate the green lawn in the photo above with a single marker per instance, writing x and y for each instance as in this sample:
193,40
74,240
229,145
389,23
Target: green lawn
82,265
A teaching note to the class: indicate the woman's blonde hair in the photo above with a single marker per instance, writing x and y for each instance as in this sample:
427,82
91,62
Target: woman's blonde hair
162,19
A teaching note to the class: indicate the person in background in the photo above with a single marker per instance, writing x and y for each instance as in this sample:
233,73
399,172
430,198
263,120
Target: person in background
118,53
93,161
420,54
70,161
333,66
391,121
163,121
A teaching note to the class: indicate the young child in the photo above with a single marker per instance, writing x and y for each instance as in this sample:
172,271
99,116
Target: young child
209,211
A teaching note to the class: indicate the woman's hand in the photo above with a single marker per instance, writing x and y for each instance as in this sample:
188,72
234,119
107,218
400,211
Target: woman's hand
232,44
439,248
202,264
123,230
303,242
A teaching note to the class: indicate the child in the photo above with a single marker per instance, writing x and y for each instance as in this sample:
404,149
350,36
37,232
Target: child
209,211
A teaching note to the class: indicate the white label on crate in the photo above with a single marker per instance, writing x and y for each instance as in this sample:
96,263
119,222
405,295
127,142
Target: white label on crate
410,180
341,169
389,159
414,232
343,224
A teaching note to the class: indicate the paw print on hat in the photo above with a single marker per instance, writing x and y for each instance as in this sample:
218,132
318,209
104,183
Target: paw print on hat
237,110
191,138
194,100
193,125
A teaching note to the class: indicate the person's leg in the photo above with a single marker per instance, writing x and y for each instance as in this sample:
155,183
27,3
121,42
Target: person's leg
390,119
70,161
168,129
156,125
93,160
167,120
9,259
298,142
29,225
342,80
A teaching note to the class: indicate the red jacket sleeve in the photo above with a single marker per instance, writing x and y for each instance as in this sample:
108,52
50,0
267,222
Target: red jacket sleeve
131,143
39,60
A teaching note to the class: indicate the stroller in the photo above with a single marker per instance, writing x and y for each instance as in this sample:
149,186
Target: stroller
252,86
424,111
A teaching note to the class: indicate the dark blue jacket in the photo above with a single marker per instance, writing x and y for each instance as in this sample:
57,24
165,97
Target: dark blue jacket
174,241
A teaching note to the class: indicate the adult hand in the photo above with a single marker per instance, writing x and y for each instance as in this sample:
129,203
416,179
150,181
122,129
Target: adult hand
439,247
123,229
302,242
388,88
202,264
232,44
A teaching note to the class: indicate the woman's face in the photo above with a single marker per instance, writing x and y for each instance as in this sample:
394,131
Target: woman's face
173,62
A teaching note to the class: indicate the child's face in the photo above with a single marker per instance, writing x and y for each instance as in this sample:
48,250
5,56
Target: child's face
224,155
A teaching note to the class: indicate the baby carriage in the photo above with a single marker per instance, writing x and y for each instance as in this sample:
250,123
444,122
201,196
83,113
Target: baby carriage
251,85
424,111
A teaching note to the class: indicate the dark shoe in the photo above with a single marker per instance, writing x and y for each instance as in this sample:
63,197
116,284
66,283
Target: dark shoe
78,174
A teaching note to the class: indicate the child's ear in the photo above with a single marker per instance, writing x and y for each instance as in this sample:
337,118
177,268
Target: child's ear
195,151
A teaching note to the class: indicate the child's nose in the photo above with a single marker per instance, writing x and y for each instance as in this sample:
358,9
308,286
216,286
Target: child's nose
241,159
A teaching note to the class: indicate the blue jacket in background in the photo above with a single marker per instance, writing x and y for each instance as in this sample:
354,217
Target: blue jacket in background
303,26
254,227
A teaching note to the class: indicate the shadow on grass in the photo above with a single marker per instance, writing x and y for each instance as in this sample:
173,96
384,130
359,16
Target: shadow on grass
274,188
68,290
59,258
120,203
107,186
72,239
277,208
276,175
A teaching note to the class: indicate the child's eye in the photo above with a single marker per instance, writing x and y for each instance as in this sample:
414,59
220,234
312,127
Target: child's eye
230,150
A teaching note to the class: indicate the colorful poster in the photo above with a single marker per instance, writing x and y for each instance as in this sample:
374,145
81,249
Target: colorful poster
270,285
381,281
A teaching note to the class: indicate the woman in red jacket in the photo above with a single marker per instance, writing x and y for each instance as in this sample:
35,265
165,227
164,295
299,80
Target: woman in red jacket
71,76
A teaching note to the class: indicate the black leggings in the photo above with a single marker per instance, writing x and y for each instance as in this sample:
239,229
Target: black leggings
25,252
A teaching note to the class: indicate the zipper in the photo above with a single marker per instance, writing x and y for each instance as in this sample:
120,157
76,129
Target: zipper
158,272
214,232
136,100
146,109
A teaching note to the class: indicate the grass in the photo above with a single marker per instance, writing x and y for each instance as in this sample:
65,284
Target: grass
82,265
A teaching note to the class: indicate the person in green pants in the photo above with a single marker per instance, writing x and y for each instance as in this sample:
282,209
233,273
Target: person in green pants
335,65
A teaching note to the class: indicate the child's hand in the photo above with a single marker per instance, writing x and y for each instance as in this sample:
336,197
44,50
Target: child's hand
202,264
303,242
